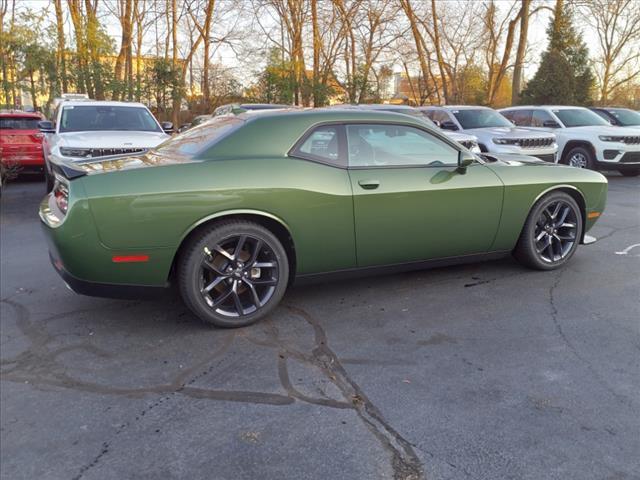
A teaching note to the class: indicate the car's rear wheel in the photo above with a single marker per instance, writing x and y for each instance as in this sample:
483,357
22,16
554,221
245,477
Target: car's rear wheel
630,173
551,233
233,273
580,157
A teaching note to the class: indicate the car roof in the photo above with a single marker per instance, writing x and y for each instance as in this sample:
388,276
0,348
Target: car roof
550,107
17,113
458,107
106,103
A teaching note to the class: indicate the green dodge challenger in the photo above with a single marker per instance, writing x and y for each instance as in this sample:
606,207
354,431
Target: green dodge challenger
236,209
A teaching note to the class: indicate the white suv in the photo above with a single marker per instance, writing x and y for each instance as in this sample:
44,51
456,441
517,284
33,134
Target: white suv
495,133
86,129
585,139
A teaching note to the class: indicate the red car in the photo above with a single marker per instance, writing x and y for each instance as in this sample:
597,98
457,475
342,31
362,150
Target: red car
21,142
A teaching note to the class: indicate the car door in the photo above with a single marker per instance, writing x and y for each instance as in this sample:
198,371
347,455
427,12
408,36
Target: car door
411,202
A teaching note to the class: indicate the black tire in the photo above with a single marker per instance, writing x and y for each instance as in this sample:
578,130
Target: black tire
48,179
211,269
540,225
580,157
630,173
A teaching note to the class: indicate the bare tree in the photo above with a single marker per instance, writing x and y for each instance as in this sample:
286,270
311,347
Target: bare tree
617,25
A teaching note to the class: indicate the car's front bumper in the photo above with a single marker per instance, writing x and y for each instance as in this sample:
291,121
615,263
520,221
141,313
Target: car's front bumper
618,155
548,154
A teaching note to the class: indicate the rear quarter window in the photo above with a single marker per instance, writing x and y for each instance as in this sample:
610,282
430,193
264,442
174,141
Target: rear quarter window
200,137
19,123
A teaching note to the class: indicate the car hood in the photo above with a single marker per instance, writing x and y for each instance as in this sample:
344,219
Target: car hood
506,132
460,137
517,160
112,139
604,130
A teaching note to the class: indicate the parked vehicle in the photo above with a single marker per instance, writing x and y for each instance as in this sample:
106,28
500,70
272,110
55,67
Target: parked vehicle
468,141
195,122
21,142
585,139
620,117
236,209
88,129
236,108
495,133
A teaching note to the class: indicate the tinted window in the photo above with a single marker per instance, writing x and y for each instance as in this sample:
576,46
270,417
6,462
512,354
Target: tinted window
83,118
480,118
578,117
541,116
321,144
19,123
625,117
396,145
519,117
197,138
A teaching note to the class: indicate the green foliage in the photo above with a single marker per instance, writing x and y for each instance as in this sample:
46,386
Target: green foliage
553,83
564,75
276,83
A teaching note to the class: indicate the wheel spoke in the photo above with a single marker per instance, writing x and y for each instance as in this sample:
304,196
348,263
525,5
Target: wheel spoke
210,266
213,284
223,252
239,246
563,216
556,210
541,235
236,299
547,242
264,265
264,282
568,225
254,293
222,298
256,252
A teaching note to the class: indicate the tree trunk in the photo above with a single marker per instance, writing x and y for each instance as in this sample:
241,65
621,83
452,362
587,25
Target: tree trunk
177,87
61,53
436,46
317,101
522,47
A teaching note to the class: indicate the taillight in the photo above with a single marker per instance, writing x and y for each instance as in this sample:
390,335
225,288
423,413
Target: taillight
61,195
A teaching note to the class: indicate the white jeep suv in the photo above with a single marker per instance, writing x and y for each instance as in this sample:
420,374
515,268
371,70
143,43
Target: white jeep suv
585,139
85,129
495,133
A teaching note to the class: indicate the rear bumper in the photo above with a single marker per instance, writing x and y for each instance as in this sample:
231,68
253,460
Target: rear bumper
106,290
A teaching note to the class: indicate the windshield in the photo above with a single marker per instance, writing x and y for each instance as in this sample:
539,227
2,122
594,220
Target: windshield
19,123
84,118
627,118
579,117
480,118
197,138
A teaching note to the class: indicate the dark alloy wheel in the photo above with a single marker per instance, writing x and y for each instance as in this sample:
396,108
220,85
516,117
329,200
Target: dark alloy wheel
233,274
551,233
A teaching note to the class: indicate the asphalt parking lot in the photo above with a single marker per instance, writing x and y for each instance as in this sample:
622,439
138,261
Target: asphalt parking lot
484,371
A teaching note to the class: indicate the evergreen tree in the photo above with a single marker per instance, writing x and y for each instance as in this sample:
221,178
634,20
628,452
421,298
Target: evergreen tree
566,42
553,83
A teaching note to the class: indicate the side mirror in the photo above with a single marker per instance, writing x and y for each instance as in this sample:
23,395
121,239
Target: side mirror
550,124
46,126
465,159
448,125
437,123
167,127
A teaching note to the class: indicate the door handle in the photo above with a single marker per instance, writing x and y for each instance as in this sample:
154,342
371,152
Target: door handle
369,184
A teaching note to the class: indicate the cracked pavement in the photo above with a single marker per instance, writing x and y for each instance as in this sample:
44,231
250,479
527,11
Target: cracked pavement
482,371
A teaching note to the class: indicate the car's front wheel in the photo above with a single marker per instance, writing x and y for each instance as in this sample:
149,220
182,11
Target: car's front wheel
580,157
233,273
551,233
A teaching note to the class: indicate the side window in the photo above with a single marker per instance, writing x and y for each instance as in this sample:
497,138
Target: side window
396,145
441,117
520,118
322,144
539,117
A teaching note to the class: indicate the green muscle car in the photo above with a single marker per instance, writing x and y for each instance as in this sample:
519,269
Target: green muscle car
234,210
